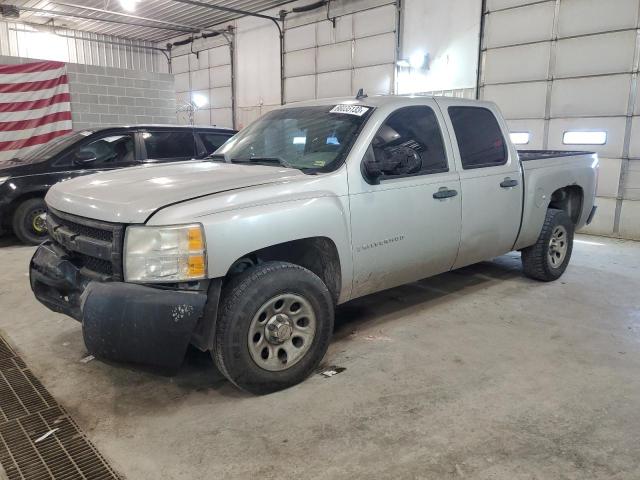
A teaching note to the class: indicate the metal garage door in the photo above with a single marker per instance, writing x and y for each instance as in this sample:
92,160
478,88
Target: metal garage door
359,52
204,77
564,73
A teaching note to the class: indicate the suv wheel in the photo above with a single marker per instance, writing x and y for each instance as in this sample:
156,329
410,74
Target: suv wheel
274,327
547,259
29,221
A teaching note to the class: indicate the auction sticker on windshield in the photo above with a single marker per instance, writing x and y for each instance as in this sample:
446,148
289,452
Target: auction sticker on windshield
357,110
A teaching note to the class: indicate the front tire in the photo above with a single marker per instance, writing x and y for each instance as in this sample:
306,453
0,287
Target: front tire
28,221
547,259
274,327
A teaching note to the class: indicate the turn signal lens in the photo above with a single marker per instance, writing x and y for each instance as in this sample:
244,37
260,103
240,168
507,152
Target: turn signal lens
196,266
195,239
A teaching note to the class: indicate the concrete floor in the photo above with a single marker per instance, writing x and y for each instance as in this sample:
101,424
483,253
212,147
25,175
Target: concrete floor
479,373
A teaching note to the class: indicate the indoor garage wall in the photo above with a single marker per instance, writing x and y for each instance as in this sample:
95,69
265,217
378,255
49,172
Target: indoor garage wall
572,65
102,96
203,71
359,52
18,40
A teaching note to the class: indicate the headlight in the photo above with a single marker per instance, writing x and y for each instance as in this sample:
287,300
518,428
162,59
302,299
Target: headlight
3,179
165,254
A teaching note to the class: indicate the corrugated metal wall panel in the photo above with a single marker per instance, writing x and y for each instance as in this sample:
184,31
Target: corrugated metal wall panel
165,10
19,40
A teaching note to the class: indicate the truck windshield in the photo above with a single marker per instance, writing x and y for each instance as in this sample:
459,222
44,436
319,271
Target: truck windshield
311,139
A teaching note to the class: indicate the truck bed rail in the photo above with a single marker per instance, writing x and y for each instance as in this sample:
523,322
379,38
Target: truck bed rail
526,155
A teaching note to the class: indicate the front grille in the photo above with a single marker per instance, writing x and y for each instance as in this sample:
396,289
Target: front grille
81,229
93,245
104,267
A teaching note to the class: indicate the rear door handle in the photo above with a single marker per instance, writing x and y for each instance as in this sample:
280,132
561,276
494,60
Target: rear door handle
508,183
444,192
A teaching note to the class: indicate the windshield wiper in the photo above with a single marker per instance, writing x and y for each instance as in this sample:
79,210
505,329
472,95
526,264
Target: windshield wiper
264,161
216,157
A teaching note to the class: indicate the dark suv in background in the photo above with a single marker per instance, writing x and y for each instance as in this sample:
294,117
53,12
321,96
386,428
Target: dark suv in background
25,181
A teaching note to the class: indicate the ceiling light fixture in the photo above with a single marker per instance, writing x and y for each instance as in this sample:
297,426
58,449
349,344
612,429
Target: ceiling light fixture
128,5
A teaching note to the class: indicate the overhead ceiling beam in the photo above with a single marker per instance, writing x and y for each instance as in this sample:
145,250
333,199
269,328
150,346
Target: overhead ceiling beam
227,9
127,15
94,19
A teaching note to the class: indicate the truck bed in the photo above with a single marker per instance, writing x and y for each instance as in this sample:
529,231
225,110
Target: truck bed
526,155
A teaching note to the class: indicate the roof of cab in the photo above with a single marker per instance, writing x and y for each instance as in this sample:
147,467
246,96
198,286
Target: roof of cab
376,100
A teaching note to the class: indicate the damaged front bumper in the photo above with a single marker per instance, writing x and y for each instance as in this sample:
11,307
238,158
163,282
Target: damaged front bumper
120,321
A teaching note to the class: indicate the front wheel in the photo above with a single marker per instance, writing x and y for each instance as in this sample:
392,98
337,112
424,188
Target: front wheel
29,223
274,327
547,259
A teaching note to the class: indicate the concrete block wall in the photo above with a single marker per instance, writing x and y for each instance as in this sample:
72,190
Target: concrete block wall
116,96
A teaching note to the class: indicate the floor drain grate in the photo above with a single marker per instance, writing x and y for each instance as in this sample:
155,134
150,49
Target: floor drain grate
28,415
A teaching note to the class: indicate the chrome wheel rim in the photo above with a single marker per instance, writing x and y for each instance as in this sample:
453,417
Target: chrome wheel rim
558,246
39,221
281,332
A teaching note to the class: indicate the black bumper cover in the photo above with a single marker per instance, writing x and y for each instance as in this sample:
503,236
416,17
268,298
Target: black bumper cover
120,321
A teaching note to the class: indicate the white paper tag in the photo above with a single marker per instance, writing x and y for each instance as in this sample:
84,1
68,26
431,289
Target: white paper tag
357,110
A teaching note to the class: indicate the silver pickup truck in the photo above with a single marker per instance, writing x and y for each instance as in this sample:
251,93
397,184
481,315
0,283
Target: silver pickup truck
246,253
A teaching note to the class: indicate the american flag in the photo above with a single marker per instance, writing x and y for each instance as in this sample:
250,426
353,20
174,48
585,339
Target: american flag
34,106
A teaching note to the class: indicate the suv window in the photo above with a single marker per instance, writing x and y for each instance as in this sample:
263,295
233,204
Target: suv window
110,150
213,141
479,137
165,145
410,143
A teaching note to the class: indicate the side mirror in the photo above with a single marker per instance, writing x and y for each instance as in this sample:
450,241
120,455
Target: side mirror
371,169
401,161
84,156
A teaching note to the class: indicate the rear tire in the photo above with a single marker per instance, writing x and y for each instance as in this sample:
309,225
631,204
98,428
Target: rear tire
27,223
547,259
274,327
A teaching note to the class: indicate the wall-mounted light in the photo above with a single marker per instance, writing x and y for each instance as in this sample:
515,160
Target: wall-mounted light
199,100
584,138
418,60
520,138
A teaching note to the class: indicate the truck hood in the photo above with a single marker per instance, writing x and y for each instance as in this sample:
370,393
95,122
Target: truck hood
132,195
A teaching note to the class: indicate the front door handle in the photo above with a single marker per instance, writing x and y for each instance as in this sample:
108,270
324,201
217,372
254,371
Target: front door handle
508,183
444,192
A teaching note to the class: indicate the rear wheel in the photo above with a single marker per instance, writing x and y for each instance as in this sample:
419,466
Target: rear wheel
29,221
548,258
274,327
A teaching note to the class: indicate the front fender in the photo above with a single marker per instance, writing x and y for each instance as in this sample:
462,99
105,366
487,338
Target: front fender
234,234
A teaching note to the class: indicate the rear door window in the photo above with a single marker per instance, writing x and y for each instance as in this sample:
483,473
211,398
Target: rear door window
169,145
480,139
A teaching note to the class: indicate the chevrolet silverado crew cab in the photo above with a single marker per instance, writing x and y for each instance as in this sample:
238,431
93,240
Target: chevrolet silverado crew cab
25,181
247,253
